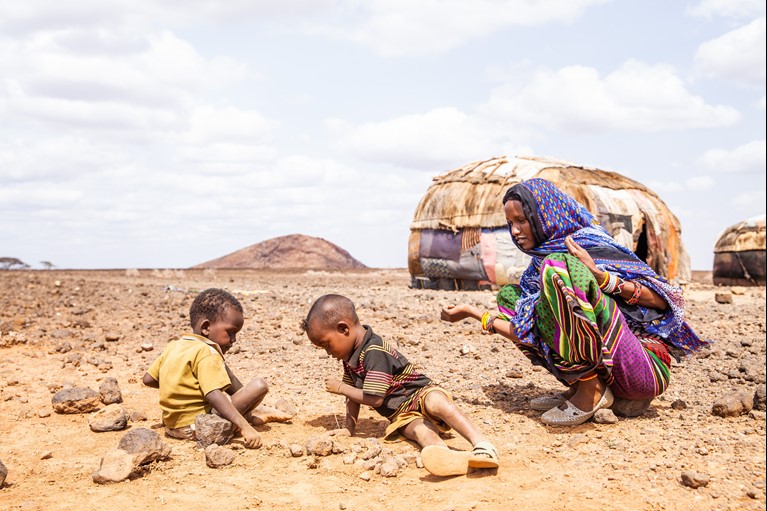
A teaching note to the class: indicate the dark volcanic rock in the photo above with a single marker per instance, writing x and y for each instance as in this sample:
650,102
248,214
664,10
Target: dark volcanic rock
110,391
145,443
75,400
217,456
212,429
733,405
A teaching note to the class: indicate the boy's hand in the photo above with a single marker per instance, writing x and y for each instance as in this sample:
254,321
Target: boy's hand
251,438
333,384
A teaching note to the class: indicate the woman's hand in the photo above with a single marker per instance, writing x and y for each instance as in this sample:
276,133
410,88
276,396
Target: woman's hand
453,313
583,256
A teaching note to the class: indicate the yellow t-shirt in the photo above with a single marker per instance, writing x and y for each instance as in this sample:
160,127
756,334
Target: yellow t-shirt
187,370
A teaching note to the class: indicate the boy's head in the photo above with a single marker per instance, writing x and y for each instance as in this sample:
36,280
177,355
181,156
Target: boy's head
217,315
332,324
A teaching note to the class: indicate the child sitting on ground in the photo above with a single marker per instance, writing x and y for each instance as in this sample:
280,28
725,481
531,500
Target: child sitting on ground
377,375
194,379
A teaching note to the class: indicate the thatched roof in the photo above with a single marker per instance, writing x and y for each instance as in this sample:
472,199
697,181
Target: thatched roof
470,196
746,235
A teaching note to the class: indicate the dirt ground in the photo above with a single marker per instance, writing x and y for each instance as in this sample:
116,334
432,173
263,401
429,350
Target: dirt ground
50,320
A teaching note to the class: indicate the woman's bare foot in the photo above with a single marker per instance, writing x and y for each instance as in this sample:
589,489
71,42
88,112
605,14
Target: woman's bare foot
587,394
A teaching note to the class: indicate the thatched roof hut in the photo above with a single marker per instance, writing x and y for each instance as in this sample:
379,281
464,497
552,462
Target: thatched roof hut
459,237
739,254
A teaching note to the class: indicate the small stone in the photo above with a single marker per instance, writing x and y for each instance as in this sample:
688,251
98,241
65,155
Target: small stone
110,391
212,429
679,404
148,346
514,373
111,418
349,459
3,473
46,455
419,462
365,476
373,450
146,444
137,416
630,407
75,400
341,505
117,465
733,405
723,298
217,456
296,450
111,337
577,439
605,416
319,445
694,479
43,413
389,468
759,397
467,349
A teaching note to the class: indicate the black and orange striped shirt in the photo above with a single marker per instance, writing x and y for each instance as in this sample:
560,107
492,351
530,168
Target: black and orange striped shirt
379,369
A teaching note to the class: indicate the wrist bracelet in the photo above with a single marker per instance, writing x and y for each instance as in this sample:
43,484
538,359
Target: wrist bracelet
338,390
483,321
636,294
604,282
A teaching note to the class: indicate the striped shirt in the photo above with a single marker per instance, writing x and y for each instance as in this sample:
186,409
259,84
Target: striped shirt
379,369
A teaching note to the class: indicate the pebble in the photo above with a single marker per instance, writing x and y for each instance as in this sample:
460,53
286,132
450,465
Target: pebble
212,429
147,346
694,479
146,444
679,404
296,450
389,468
723,298
75,400
43,413
112,418
630,407
109,391
759,397
605,416
365,476
117,465
137,416
46,455
3,473
733,405
111,337
349,459
320,445
217,456
514,373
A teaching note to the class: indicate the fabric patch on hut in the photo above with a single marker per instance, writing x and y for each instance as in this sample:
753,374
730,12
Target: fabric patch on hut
487,245
413,249
435,268
470,266
440,245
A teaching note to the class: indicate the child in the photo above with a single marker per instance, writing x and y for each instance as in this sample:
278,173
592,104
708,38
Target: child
193,377
377,375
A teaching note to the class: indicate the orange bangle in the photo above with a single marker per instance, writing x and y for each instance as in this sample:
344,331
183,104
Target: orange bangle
604,282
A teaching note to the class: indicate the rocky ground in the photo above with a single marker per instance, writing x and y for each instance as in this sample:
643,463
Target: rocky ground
68,329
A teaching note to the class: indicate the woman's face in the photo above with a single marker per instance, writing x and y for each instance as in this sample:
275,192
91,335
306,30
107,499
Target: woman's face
518,224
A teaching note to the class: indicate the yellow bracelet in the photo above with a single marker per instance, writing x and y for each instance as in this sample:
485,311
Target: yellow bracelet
604,282
483,321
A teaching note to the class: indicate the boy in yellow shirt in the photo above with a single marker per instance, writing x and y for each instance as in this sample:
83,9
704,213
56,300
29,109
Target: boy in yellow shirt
193,377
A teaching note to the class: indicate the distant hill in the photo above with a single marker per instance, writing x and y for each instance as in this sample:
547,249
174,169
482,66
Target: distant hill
288,252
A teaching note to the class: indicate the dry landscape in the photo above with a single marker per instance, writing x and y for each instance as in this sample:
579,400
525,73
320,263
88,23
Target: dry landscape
61,329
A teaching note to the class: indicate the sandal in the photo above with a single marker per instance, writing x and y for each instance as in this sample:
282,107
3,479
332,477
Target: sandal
441,461
570,415
484,455
545,403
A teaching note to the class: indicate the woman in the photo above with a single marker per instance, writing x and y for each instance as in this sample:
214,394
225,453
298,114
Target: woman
587,309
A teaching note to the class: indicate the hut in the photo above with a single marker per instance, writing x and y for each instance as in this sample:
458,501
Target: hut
739,254
459,238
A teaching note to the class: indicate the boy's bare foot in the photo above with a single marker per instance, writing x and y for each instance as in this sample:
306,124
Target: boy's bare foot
263,414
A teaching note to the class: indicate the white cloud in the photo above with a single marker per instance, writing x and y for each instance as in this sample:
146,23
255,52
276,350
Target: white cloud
738,55
700,183
440,138
742,9
693,184
750,202
748,158
636,97
405,27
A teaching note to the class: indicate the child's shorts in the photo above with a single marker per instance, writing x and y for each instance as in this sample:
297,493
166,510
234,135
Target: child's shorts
400,421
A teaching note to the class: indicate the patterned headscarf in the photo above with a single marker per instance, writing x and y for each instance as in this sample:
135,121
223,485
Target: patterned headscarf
553,216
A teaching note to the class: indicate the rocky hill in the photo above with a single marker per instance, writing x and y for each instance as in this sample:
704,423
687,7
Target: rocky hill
286,252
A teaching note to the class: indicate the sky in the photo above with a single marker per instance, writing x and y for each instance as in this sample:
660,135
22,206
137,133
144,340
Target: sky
163,134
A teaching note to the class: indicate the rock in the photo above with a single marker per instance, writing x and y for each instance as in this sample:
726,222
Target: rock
110,391
43,413
319,445
147,346
514,373
390,468
286,406
112,418
373,450
212,429
723,298
145,444
117,465
365,476
217,456
605,416
679,404
3,473
296,450
137,416
349,459
75,400
694,479
46,455
733,405
759,397
630,407
111,337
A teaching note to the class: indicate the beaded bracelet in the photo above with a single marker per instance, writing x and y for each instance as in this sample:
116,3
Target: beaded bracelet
619,286
636,294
